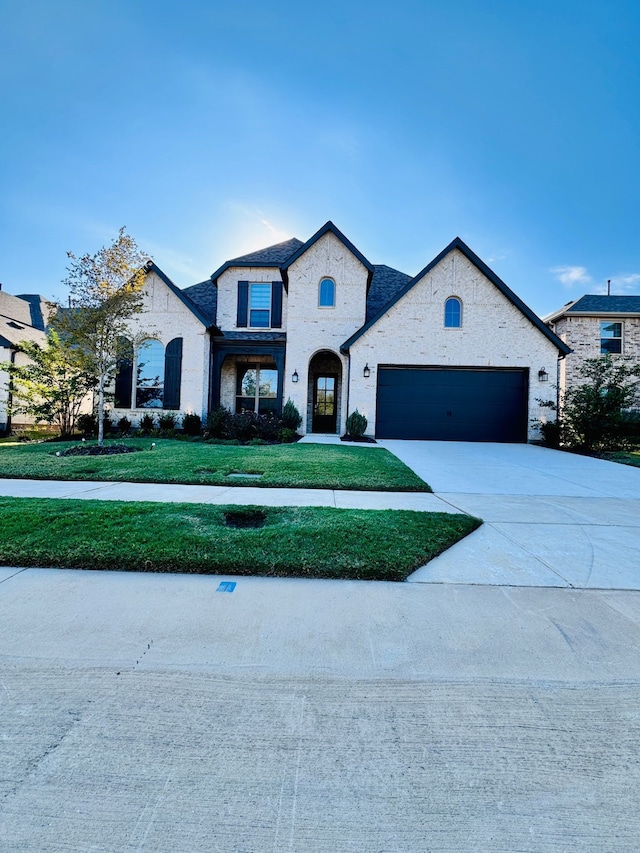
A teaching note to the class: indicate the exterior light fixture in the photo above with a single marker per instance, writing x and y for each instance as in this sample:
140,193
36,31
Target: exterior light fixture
366,372
295,376
543,376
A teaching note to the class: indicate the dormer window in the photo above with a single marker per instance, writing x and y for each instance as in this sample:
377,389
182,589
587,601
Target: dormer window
259,306
327,293
452,313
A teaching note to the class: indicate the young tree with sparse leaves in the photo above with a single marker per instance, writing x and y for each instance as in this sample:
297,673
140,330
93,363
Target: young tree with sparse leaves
52,386
106,292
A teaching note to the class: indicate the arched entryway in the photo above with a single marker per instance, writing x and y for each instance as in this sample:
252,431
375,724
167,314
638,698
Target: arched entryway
324,392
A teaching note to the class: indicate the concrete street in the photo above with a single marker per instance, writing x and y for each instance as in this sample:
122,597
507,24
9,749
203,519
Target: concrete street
162,713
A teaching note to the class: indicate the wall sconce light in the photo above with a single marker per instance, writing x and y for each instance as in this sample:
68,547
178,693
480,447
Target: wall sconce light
366,372
543,376
295,376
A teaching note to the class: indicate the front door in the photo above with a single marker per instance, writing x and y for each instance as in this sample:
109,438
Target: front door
324,403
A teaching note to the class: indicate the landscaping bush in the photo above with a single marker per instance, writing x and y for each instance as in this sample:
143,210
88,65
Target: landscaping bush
87,425
192,424
147,424
287,435
168,422
243,426
356,424
124,426
217,423
291,417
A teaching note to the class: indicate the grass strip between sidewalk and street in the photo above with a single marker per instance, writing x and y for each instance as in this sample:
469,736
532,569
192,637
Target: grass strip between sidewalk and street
308,542
309,466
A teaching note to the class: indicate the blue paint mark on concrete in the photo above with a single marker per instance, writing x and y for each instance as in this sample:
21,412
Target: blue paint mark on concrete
226,586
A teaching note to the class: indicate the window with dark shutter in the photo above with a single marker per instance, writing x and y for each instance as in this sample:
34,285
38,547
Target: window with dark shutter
276,304
172,374
124,374
243,303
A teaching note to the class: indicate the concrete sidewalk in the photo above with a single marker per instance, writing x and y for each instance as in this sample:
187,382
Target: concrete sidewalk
242,495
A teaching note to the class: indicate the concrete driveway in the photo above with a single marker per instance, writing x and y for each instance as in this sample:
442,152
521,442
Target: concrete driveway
551,518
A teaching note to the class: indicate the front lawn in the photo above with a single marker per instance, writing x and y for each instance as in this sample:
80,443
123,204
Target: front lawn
626,457
294,541
311,466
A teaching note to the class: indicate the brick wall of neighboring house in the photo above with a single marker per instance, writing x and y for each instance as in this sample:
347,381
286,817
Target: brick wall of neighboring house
582,334
165,317
494,333
312,329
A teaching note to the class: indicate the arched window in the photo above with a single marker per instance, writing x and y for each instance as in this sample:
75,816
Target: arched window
150,375
327,293
452,313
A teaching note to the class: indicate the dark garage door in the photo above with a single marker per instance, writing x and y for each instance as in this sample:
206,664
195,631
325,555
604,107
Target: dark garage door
452,404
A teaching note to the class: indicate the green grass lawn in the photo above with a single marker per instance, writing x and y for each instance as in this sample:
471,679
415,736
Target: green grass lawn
294,541
626,457
288,465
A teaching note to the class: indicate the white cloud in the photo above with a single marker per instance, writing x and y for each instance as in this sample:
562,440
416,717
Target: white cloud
571,276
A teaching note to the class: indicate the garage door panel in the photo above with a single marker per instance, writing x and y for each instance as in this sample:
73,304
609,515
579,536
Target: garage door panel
462,404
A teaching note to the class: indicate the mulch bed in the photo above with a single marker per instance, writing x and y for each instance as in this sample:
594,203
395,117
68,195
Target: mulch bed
96,450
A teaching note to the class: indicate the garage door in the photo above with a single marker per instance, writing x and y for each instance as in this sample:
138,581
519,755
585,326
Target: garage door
452,404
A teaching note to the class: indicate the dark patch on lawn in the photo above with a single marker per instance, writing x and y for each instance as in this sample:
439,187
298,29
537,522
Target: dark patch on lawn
244,518
96,450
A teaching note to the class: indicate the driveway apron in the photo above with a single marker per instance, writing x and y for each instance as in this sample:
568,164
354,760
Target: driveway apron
551,518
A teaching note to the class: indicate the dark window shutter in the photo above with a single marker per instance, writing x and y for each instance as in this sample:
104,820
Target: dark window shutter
124,374
243,303
172,373
276,304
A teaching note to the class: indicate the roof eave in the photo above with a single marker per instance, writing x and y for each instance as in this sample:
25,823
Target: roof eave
459,244
327,228
150,266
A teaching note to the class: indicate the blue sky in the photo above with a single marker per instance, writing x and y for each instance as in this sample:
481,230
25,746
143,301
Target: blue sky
211,129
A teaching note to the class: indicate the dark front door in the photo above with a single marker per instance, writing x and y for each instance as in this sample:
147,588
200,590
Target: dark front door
324,403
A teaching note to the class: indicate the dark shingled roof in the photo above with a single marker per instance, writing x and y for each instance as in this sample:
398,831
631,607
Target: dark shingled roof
386,282
254,336
272,255
38,319
594,304
204,296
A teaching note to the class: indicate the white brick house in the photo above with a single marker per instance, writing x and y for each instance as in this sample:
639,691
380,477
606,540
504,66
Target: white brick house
451,353
591,326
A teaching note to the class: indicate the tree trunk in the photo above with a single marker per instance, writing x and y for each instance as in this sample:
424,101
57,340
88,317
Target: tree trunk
101,411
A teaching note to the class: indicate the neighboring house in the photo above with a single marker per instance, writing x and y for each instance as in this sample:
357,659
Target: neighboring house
21,318
451,353
594,325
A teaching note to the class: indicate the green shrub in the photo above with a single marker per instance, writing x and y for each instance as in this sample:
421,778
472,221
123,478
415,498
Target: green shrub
168,422
87,425
356,424
124,426
147,424
287,435
217,422
192,424
291,417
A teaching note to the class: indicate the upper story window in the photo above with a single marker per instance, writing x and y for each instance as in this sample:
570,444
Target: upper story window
259,305
327,293
452,313
610,337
